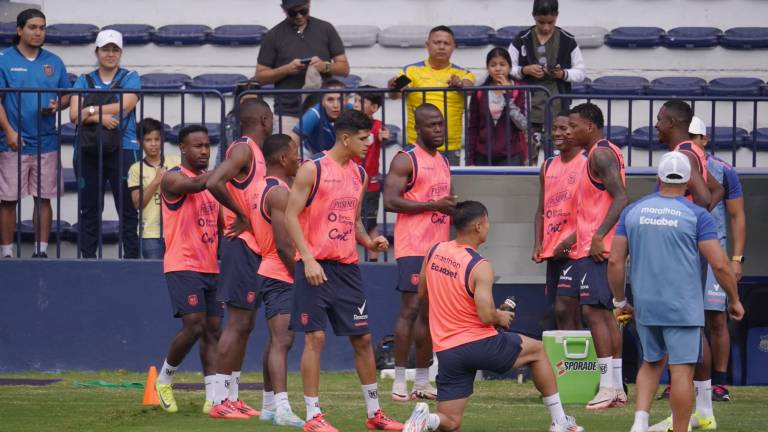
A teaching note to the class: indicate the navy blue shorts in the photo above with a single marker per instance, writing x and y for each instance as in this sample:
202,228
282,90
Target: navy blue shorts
277,297
592,280
457,367
561,279
193,292
341,300
408,271
239,282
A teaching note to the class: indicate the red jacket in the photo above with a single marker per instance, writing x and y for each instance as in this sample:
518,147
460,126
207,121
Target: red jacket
481,126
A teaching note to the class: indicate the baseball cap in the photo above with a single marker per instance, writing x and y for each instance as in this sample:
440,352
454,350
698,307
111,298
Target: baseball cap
106,37
287,4
674,168
697,127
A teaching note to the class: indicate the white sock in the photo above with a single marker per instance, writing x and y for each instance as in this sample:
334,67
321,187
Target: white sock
433,422
606,372
209,386
641,421
234,387
399,375
704,397
422,377
43,247
371,395
166,373
313,406
6,250
555,408
618,378
268,401
281,400
220,388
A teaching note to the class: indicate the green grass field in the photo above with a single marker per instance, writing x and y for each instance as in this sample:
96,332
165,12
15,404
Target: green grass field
496,406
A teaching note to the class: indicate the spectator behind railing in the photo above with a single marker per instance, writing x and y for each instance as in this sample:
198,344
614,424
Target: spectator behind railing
28,122
294,54
105,139
144,185
438,71
497,125
548,56
315,131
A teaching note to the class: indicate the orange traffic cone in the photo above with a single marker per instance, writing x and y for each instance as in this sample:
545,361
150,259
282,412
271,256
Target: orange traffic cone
150,394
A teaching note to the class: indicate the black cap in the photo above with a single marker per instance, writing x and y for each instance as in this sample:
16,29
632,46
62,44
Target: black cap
287,4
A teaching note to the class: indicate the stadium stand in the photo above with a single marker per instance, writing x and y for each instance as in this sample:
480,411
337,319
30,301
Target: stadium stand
472,35
634,37
28,231
67,132
760,137
618,135
726,137
735,86
7,33
214,133
70,179
404,36
181,34
357,36
133,34
224,83
164,81
644,137
350,81
692,37
71,34
505,35
236,35
745,38
677,86
588,36
618,85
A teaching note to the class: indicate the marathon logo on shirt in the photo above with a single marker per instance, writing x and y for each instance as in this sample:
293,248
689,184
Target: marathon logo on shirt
451,271
660,221
19,69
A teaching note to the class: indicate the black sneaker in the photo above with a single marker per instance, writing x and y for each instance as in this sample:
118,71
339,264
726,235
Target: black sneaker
720,393
665,393
40,255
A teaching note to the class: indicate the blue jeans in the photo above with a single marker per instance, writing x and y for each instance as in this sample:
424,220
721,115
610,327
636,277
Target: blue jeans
152,248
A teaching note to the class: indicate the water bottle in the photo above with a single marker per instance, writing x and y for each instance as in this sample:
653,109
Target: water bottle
509,305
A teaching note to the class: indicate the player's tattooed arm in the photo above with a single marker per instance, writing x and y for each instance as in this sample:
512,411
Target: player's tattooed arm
237,162
605,167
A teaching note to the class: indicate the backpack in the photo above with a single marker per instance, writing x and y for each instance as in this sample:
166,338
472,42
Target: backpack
89,135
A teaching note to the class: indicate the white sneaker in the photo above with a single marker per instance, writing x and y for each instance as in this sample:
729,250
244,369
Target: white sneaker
417,422
569,426
636,428
603,399
267,415
288,418
424,392
662,426
400,392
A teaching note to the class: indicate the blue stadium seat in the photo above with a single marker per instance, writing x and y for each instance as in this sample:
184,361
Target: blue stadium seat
678,86
7,33
28,230
735,86
640,138
760,137
71,34
582,87
110,231
634,37
727,137
350,81
619,85
67,133
181,34
588,36
618,135
236,35
214,133
405,36
164,81
358,35
133,34
692,37
394,135
224,83
505,35
70,179
745,38
472,35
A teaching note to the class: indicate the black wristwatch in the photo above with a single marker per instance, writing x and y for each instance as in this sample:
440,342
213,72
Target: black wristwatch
738,259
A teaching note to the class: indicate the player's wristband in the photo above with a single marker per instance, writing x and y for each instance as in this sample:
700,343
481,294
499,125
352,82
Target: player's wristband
619,304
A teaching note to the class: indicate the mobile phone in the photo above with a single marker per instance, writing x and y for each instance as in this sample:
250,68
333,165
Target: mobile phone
305,61
401,82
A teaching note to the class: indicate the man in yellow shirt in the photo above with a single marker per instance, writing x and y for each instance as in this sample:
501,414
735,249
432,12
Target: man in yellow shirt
438,71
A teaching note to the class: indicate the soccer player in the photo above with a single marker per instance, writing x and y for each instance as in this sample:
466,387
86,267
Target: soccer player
418,188
555,224
602,197
232,183
323,220
267,217
456,293
665,236
190,221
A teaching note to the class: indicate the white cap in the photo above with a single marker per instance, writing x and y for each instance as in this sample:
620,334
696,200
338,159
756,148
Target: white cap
106,37
697,127
674,168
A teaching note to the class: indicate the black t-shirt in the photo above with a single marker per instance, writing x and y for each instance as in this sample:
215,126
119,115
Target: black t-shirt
282,44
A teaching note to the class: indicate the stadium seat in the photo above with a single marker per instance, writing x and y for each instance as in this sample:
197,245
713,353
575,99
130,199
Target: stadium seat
759,137
641,136
181,34
505,35
394,135
745,38
350,81
582,87
358,35
70,179
67,133
472,35
618,135
236,35
634,37
110,231
7,33
164,81
727,137
678,86
692,37
133,34
588,36
224,83
71,34
619,85
28,230
214,133
735,86
404,36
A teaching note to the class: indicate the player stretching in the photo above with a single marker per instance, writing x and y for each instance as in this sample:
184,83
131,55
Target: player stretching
418,188
232,183
602,197
323,220
456,293
267,217
190,220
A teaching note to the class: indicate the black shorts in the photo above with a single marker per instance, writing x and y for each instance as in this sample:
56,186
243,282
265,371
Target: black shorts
408,271
239,283
277,297
592,280
561,278
370,210
193,292
457,367
341,300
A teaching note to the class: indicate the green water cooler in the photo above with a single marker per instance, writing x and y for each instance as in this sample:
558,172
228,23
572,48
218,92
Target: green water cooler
574,361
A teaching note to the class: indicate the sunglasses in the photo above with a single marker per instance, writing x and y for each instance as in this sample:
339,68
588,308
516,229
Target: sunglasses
293,13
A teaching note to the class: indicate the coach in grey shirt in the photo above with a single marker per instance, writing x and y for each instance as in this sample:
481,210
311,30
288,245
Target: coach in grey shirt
298,37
